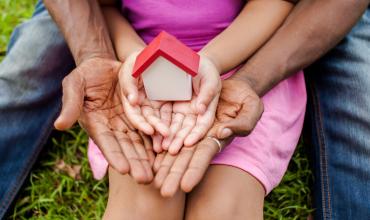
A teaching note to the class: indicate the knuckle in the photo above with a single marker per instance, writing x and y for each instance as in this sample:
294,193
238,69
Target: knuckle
66,81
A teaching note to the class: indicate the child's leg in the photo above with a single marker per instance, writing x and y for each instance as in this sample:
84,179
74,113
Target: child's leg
129,200
226,193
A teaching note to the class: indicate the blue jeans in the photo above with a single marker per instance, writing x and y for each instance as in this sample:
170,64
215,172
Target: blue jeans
30,98
339,112
38,59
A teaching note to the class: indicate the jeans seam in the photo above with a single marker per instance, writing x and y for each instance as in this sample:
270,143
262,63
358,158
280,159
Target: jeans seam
9,196
325,186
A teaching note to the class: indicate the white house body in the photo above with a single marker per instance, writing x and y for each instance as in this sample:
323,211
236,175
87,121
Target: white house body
164,81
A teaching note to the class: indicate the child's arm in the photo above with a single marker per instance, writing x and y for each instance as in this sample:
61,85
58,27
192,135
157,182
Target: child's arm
125,40
255,24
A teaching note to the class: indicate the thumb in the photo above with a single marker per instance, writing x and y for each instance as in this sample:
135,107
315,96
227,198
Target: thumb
208,89
128,83
237,126
72,102
242,125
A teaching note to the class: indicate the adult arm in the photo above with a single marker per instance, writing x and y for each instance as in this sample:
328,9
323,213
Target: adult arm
313,28
83,27
91,91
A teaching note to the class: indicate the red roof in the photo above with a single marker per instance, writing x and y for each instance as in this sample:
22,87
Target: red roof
172,49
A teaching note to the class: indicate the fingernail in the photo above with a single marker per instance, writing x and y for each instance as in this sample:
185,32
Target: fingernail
226,132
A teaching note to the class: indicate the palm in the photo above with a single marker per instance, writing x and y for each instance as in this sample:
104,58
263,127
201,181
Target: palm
156,113
145,115
187,126
92,93
239,108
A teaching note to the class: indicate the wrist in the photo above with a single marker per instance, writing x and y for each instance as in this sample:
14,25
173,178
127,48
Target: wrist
261,77
91,55
212,58
124,54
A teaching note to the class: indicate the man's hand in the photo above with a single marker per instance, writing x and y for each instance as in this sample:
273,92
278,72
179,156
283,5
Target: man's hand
239,109
91,95
186,169
238,112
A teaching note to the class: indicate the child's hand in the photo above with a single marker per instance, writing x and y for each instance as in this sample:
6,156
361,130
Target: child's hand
145,115
206,85
192,119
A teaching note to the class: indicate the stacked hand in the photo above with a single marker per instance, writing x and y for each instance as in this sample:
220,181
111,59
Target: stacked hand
238,112
172,124
93,96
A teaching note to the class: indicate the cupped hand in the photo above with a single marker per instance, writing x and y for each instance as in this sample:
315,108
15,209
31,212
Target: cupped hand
206,85
238,112
91,95
143,113
186,169
192,119
239,109
187,126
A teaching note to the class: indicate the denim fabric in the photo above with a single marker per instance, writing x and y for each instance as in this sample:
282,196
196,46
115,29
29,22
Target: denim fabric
339,111
30,97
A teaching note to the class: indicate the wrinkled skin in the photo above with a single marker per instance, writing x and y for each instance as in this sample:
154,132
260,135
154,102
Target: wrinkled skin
238,112
91,95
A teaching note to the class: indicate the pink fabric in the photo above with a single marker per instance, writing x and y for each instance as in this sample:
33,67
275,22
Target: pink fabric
194,22
266,152
97,161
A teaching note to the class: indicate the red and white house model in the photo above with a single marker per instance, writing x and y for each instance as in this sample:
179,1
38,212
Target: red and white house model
167,66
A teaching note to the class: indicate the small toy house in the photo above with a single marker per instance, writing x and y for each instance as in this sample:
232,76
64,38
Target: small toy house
167,66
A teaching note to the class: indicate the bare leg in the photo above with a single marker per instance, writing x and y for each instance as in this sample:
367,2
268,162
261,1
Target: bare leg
129,200
226,193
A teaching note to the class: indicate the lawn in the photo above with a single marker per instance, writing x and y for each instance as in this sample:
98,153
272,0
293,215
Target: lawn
61,186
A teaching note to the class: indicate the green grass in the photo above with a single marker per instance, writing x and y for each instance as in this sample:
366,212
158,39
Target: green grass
50,193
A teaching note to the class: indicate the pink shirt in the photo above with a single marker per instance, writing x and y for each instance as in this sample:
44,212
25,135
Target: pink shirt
194,22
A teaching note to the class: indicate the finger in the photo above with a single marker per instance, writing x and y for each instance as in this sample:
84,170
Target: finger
73,98
203,124
157,142
209,88
199,164
176,124
178,141
172,182
244,122
142,153
163,170
137,170
128,83
157,138
136,118
110,148
158,160
166,113
153,118
148,147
